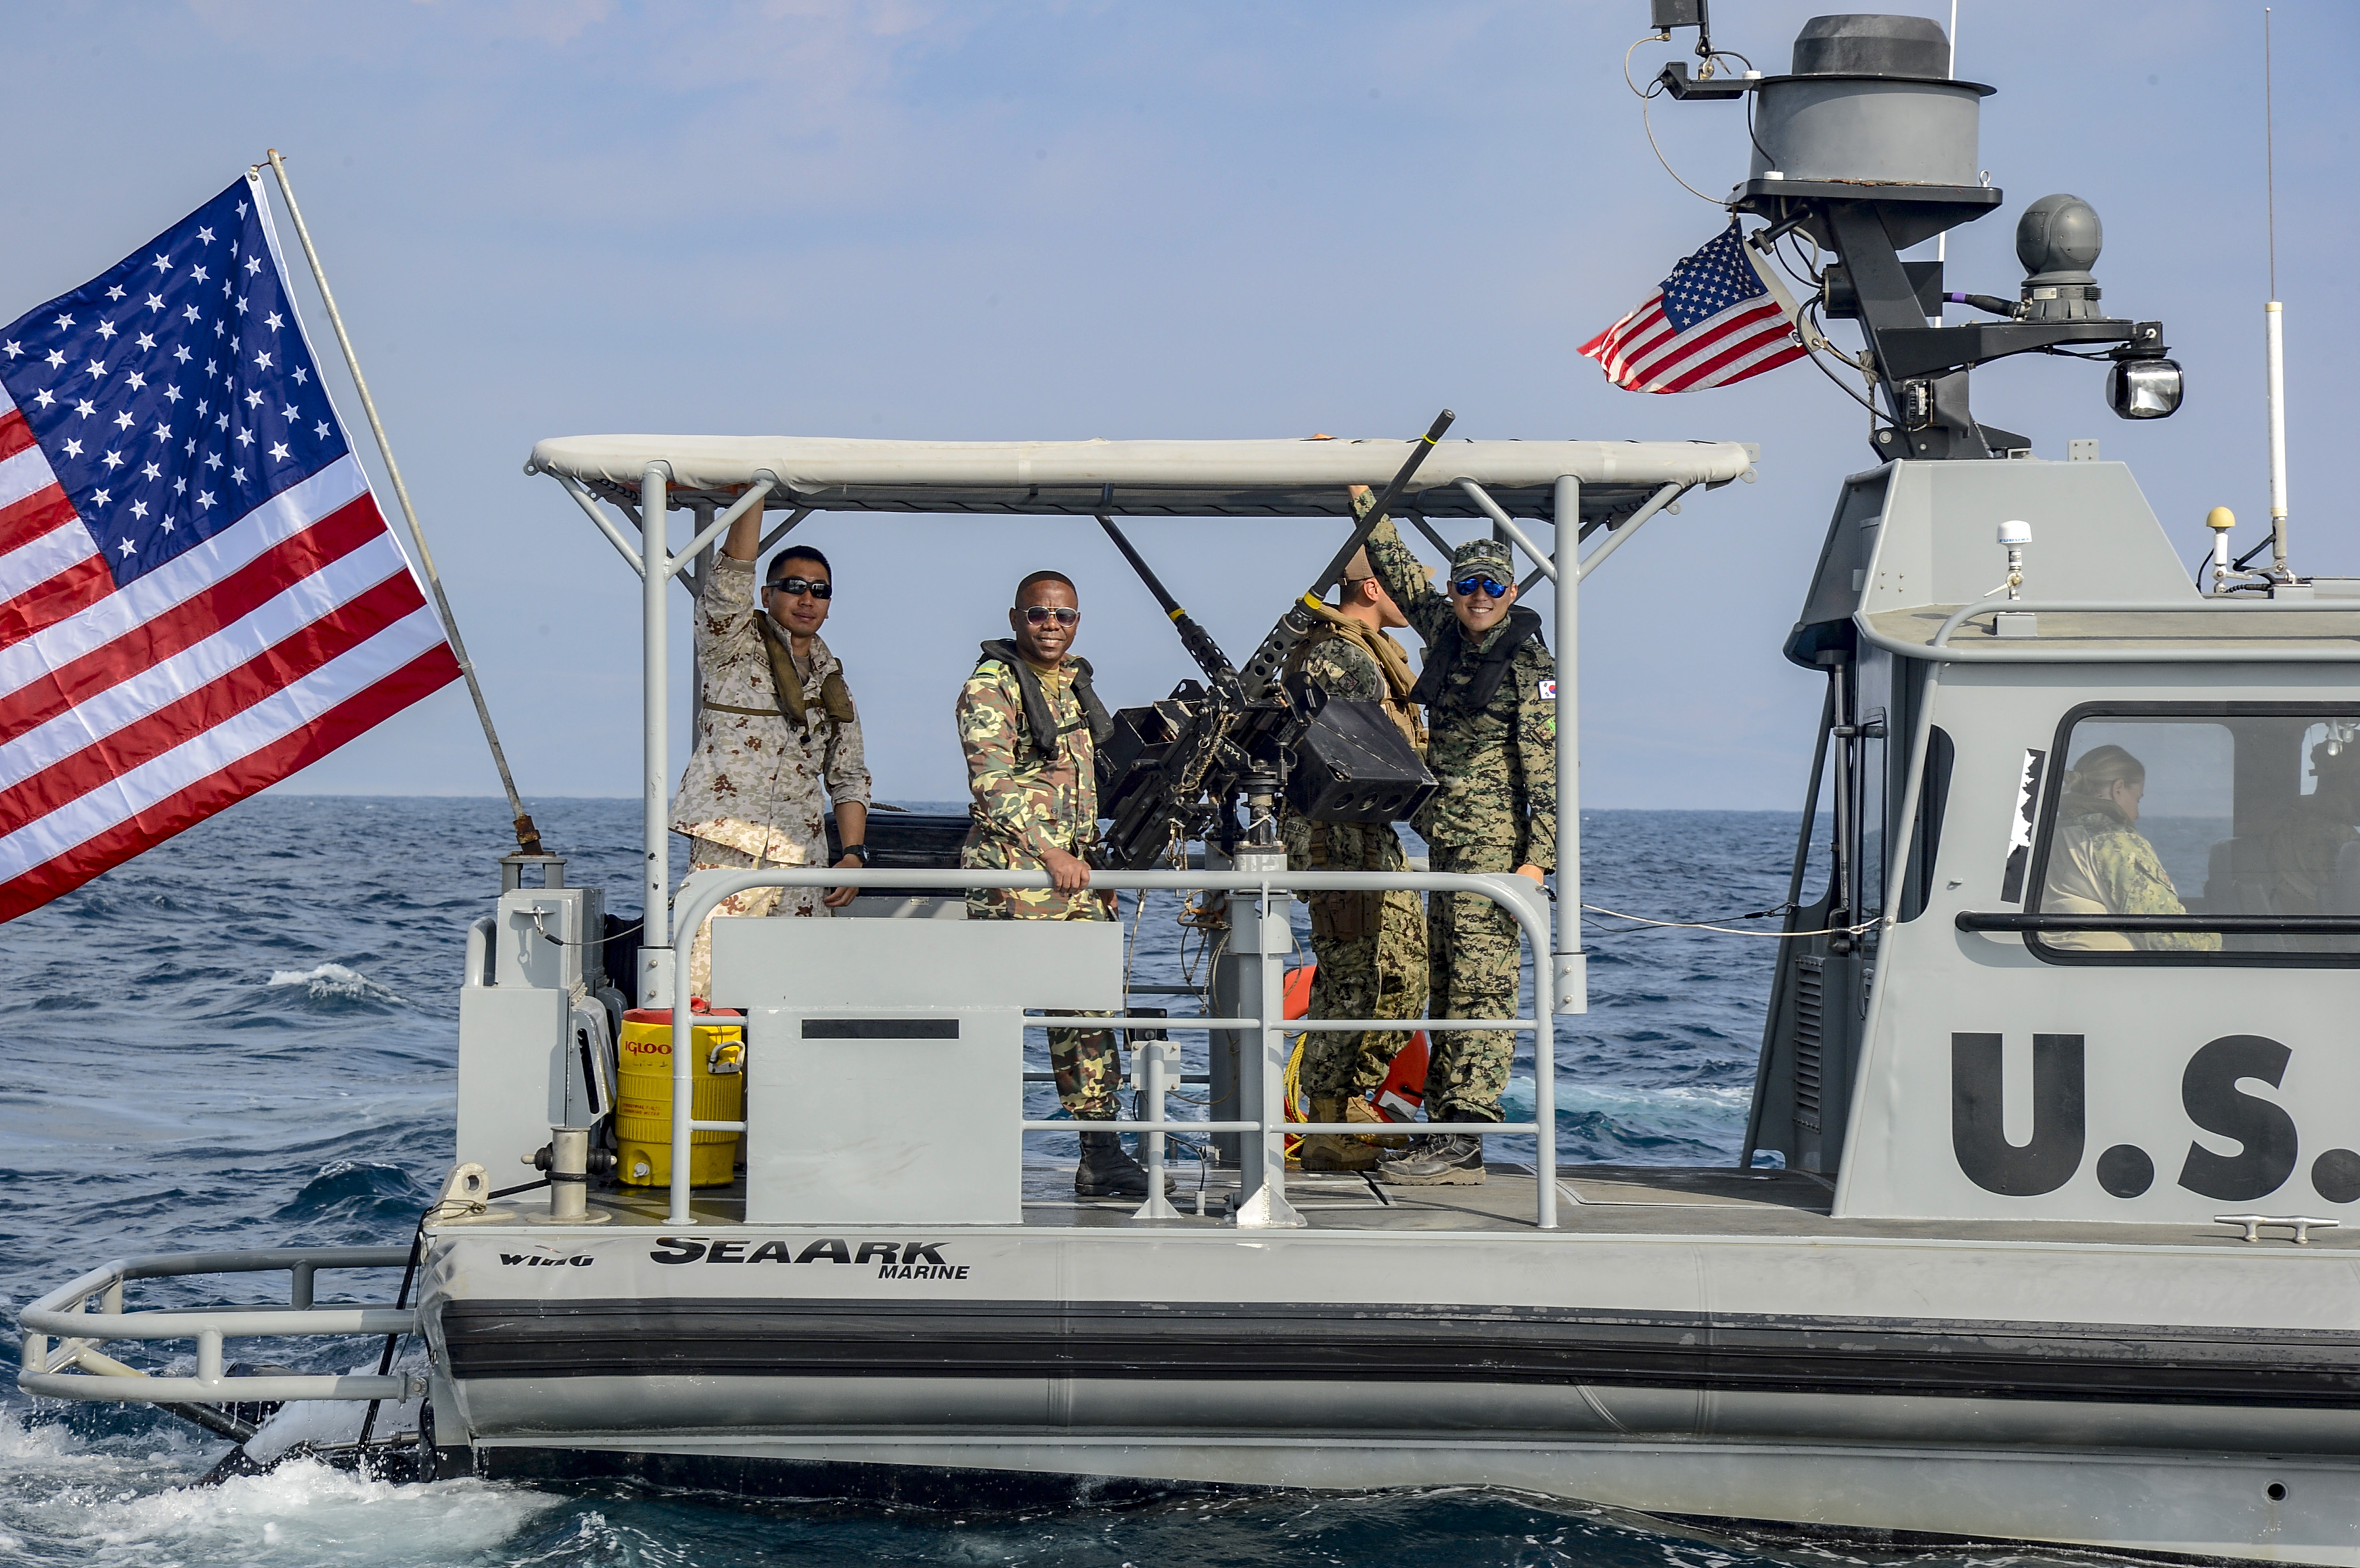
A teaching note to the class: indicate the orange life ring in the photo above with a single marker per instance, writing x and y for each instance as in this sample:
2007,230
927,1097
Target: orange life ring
1402,1094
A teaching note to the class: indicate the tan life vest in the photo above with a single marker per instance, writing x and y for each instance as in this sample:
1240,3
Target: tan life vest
1391,662
787,687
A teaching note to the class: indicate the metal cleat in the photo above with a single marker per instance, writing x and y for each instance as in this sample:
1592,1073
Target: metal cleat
2301,1224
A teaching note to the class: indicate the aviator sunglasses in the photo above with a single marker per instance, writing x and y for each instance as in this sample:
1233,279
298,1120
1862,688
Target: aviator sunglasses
1042,615
1493,587
792,586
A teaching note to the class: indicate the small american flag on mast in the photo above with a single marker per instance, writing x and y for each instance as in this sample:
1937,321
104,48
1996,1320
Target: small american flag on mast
198,594
1711,323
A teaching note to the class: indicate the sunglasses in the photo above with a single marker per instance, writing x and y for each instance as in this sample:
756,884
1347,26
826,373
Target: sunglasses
1042,615
1492,588
793,586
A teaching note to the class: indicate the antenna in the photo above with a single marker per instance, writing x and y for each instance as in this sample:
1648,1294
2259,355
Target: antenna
2269,152
2274,325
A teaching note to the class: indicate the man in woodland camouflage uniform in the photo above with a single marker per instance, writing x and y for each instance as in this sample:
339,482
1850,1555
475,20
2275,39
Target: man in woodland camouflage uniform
777,723
1490,691
1371,945
1031,726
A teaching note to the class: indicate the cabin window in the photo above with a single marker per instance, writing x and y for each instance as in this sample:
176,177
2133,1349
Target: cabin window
2249,812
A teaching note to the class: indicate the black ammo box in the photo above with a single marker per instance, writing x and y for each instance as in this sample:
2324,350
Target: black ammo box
1353,765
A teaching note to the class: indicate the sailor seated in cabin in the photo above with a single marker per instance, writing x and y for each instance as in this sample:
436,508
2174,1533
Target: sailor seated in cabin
778,725
2100,863
2304,851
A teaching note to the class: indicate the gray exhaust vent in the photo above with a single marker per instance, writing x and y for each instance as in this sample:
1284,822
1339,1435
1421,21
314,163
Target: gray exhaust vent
1873,45
1870,103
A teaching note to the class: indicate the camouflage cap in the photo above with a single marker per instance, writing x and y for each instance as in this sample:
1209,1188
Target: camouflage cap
1483,555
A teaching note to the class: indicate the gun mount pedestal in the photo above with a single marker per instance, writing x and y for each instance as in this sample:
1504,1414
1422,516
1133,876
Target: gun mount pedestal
1249,1072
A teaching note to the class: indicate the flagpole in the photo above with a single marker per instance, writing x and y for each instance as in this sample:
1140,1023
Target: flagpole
527,835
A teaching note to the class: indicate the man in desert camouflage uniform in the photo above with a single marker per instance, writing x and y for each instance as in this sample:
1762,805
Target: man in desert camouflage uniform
1031,725
1490,691
1371,945
778,725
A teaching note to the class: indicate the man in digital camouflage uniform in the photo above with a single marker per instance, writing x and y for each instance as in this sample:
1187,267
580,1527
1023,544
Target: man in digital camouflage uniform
1030,725
1490,691
1371,945
777,727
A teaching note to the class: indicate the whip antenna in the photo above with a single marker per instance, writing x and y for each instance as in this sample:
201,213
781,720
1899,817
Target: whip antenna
2274,324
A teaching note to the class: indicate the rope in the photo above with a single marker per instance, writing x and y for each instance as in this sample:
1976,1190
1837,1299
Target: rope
1292,1090
1643,921
400,1299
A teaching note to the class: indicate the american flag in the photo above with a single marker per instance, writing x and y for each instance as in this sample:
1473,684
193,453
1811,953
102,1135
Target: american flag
198,594
1709,323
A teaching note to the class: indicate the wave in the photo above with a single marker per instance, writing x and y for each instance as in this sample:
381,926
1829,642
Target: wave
335,982
358,1191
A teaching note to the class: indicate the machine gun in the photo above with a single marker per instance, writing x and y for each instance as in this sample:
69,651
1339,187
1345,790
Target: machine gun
1174,770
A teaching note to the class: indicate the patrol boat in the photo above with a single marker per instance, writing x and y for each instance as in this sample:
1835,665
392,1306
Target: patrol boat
2058,1250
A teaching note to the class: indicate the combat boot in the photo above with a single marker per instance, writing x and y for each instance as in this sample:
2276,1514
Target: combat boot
1448,1159
1334,1151
1357,1109
1108,1171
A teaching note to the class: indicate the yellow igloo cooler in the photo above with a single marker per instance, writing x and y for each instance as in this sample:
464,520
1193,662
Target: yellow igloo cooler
643,1103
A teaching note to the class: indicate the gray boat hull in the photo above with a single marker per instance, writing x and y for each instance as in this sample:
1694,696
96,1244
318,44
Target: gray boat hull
1865,1383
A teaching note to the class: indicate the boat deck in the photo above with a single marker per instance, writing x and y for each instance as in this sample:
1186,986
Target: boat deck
1593,1200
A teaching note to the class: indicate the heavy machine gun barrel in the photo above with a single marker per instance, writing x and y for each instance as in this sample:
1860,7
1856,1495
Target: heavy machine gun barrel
1194,637
1172,771
1261,672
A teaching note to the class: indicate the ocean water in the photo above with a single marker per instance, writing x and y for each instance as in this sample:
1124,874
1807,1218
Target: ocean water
245,1038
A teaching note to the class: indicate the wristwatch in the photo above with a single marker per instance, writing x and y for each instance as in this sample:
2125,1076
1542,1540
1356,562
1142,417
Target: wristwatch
859,849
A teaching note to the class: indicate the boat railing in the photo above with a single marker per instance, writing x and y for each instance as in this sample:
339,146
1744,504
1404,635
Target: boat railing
73,1367
2333,649
1267,896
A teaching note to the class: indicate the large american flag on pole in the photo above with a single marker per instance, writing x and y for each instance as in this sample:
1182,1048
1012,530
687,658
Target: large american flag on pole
1712,322
198,594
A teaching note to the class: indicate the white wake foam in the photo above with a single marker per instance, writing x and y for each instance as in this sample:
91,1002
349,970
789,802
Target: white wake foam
304,1512
335,982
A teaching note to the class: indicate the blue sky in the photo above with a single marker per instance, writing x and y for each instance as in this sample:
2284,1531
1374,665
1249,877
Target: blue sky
1059,220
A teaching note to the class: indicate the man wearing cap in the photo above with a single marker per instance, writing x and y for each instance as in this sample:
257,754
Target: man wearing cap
1371,945
1030,725
778,725
1490,691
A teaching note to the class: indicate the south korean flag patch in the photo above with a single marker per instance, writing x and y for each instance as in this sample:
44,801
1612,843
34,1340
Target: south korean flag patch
1547,690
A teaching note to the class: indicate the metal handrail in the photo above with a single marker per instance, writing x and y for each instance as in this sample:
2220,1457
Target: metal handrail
1942,650
2268,925
703,891
63,1313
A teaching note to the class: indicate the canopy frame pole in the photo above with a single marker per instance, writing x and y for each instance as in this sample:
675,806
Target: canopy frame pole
583,499
783,529
657,968
764,483
1433,535
1568,966
527,835
1668,496
1507,528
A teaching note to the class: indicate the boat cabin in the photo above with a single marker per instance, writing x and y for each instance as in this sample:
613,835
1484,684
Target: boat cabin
2083,941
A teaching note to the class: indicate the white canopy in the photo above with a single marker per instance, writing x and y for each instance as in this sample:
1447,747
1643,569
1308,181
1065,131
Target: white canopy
1156,478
